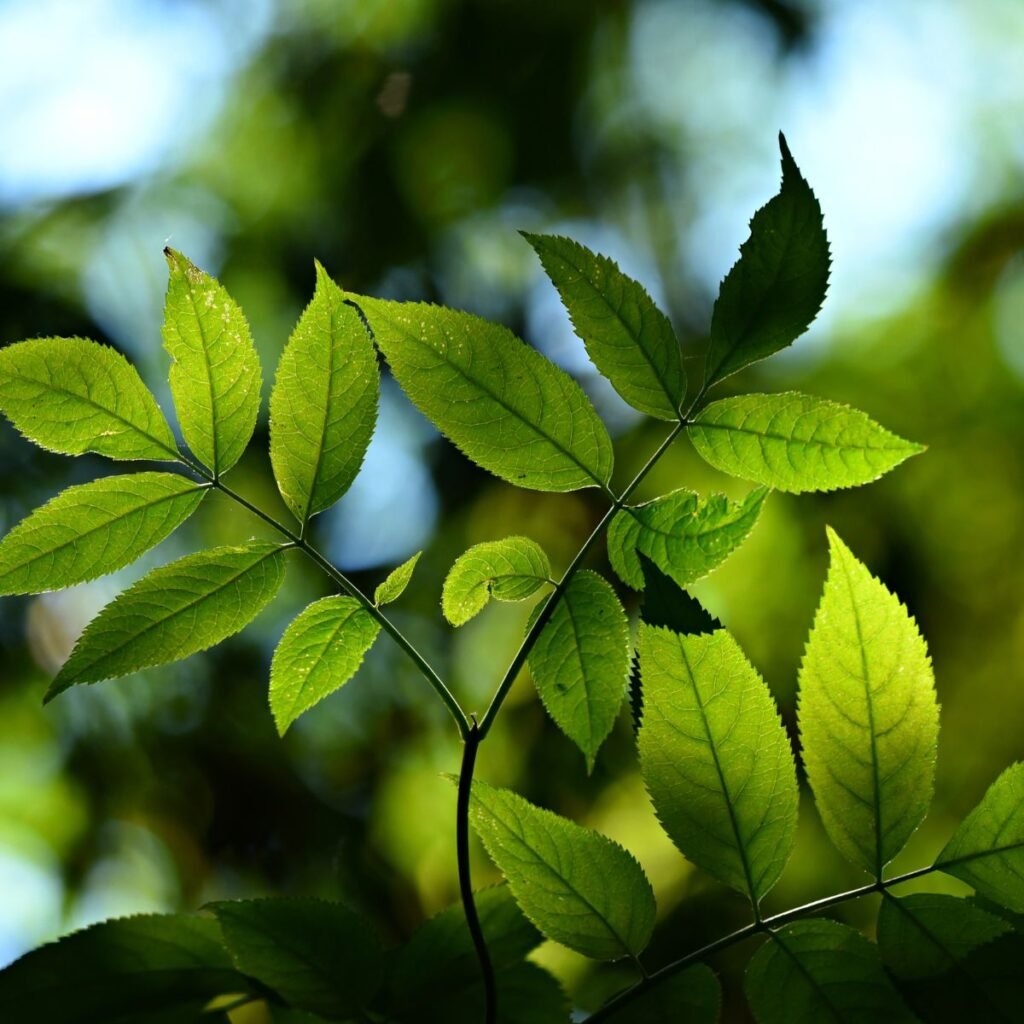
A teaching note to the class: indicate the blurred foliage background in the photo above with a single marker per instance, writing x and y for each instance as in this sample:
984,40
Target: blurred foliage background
403,143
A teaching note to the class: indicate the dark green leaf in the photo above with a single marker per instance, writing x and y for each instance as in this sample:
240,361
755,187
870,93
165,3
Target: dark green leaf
778,284
629,339
693,996
317,956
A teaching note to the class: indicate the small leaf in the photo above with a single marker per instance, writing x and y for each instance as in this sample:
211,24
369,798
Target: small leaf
580,662
323,407
868,717
438,969
684,535
396,581
503,404
174,611
716,758
319,652
813,971
120,970
577,886
215,372
987,850
94,529
693,996
71,395
511,569
795,442
952,960
778,284
629,339
315,955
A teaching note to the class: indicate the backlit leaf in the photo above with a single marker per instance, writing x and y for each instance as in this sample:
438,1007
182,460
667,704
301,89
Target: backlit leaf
580,662
215,372
629,339
71,395
987,850
684,535
577,886
503,404
394,584
716,758
319,652
94,529
120,971
795,442
174,611
814,971
317,956
323,407
868,717
778,284
511,569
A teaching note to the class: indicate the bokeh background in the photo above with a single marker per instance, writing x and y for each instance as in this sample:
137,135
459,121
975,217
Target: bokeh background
403,143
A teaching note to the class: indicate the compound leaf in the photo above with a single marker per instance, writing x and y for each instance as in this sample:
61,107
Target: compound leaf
317,956
511,569
987,850
215,372
812,971
685,535
94,529
868,716
503,404
795,442
580,662
71,395
323,407
693,996
716,758
121,970
577,886
629,339
394,584
778,284
174,611
319,652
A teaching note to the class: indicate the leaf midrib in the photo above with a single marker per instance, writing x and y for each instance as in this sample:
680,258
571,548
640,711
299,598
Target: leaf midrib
204,347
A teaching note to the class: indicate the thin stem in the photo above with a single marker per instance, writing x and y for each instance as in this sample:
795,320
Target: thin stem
556,595
299,541
472,743
749,931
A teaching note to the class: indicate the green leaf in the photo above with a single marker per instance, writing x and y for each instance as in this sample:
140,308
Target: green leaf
577,886
580,662
629,339
319,652
716,758
396,581
813,971
315,955
119,970
215,372
503,404
511,569
952,960
684,535
693,996
438,968
94,529
795,442
71,395
868,718
987,850
667,604
778,284
174,611
323,407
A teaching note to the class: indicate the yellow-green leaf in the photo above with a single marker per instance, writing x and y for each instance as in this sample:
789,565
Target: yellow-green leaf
394,584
